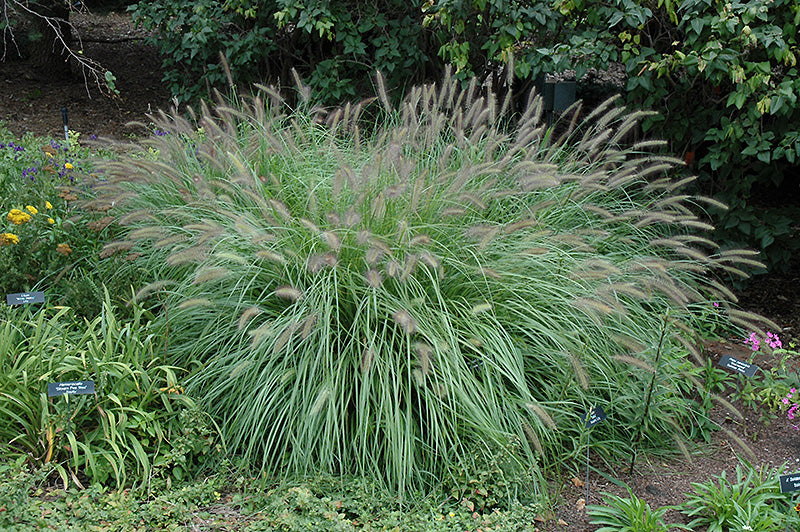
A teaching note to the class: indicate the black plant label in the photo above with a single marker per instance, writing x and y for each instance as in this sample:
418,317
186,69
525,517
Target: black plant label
70,388
25,297
737,365
790,482
595,416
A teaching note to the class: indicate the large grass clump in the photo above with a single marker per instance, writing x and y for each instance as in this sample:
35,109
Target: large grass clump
413,301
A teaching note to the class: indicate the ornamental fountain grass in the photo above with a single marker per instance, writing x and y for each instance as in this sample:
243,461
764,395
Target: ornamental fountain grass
409,302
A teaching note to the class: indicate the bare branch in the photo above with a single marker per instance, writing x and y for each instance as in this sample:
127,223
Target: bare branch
89,68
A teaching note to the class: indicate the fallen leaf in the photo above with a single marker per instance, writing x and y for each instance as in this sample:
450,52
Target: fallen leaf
580,504
539,518
561,522
578,483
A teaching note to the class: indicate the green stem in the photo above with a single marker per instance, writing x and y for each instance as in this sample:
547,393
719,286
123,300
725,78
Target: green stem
648,394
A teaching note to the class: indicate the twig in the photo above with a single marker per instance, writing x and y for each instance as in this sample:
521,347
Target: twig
88,67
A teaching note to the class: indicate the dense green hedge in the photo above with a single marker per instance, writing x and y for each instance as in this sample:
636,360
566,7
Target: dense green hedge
721,75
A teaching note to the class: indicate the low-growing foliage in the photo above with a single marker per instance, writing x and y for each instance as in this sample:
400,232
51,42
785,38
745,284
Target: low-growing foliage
632,514
407,302
138,428
753,499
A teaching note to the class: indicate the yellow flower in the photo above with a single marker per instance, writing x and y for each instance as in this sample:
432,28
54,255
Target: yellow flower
51,221
7,239
31,209
18,217
64,249
48,205
68,166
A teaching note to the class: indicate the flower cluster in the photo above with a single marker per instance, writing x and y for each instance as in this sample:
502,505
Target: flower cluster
19,217
791,401
772,340
8,239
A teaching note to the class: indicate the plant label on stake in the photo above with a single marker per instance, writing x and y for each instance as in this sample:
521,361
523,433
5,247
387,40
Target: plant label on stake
54,389
24,298
737,365
595,416
790,483
70,388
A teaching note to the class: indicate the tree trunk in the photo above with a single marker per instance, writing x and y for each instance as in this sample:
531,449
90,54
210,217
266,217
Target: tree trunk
51,39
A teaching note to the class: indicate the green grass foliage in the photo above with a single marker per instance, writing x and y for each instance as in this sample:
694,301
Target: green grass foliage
137,429
409,301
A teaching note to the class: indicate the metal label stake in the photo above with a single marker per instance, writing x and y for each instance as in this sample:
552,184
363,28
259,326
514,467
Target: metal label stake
595,416
66,124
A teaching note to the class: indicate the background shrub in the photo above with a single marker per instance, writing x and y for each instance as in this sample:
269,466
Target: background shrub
406,303
722,76
335,45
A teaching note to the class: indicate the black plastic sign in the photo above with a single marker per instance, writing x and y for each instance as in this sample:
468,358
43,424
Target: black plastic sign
595,416
70,388
790,482
24,298
737,365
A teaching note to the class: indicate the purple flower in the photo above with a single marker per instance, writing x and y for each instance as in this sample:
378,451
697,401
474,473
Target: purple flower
30,173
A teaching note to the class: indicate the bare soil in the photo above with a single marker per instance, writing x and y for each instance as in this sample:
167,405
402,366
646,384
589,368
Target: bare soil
30,105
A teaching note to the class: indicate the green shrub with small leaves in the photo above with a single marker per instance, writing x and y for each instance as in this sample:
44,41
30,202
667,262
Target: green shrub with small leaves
336,46
406,302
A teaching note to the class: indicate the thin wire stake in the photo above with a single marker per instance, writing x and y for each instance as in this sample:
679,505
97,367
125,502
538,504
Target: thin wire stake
69,413
588,435
66,124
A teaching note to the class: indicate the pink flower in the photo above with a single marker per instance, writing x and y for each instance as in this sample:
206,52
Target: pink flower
753,342
786,400
792,390
716,304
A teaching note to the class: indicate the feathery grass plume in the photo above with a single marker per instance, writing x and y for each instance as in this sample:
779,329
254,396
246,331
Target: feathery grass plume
196,302
543,416
247,315
152,288
633,361
579,370
395,300
210,273
405,321
289,292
